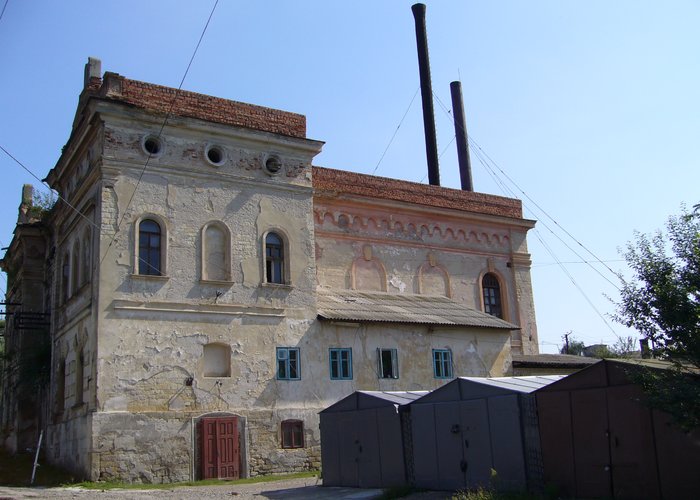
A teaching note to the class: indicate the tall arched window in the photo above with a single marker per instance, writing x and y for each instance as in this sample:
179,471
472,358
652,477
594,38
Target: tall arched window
149,257
65,277
79,376
75,268
492,295
274,259
87,264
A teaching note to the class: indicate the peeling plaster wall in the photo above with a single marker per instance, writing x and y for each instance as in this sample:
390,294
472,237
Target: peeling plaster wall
152,330
144,336
428,251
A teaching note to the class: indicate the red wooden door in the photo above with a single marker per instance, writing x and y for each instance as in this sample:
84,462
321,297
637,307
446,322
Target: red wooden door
220,451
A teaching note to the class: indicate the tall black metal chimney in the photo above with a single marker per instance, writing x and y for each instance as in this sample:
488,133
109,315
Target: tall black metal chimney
465,166
426,90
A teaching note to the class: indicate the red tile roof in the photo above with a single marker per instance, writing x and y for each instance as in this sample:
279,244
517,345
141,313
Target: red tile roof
338,181
159,99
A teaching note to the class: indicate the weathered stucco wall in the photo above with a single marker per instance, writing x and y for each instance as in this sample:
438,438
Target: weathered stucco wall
388,246
153,329
144,339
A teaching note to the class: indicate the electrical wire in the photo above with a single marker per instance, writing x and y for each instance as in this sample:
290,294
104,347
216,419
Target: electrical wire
509,191
396,131
3,9
160,132
58,195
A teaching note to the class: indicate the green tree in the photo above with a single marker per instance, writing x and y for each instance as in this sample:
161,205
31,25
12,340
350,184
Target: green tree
662,302
571,345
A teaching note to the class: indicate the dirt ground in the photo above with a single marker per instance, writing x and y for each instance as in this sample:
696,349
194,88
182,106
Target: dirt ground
289,489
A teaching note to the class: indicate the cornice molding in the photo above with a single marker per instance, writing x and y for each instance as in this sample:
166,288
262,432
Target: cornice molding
406,227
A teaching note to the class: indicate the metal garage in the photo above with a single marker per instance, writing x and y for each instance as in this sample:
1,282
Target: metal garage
471,426
600,440
362,441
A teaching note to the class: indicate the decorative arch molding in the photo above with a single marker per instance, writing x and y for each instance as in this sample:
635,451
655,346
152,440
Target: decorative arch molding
215,264
347,221
367,272
433,278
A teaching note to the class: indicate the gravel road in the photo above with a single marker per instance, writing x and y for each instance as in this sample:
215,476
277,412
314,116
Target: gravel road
288,489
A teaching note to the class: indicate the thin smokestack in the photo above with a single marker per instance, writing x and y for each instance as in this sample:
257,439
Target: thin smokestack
426,90
465,164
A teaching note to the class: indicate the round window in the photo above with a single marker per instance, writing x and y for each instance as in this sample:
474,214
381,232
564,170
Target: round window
273,165
215,155
152,145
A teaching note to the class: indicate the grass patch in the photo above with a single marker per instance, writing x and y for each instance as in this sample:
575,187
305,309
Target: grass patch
488,494
16,470
98,485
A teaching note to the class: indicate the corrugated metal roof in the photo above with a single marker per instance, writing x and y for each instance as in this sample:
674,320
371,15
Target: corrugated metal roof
397,397
520,384
651,363
521,360
354,305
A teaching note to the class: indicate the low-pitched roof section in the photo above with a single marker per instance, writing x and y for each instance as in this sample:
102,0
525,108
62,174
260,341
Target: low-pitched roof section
364,400
365,306
327,180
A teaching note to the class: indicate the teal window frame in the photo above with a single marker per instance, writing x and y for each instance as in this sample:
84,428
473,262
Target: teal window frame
288,364
340,363
442,363
388,362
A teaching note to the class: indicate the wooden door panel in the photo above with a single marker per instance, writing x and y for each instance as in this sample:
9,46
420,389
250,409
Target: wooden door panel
220,449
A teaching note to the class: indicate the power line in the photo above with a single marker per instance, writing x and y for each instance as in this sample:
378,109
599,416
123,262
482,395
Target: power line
396,131
49,187
160,132
479,151
573,281
3,9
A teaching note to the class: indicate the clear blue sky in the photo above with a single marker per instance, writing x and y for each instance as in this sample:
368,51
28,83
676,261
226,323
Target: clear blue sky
591,107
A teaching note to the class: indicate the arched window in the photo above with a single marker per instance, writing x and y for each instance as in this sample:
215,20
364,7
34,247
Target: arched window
87,265
274,259
216,252
75,268
149,257
79,376
492,295
217,360
60,393
65,277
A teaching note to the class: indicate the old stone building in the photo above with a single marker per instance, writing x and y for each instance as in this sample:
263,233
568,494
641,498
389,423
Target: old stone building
207,291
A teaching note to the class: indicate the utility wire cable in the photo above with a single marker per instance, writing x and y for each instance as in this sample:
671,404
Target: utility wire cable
573,281
598,259
479,152
49,187
160,132
440,156
3,9
490,160
396,131
509,191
